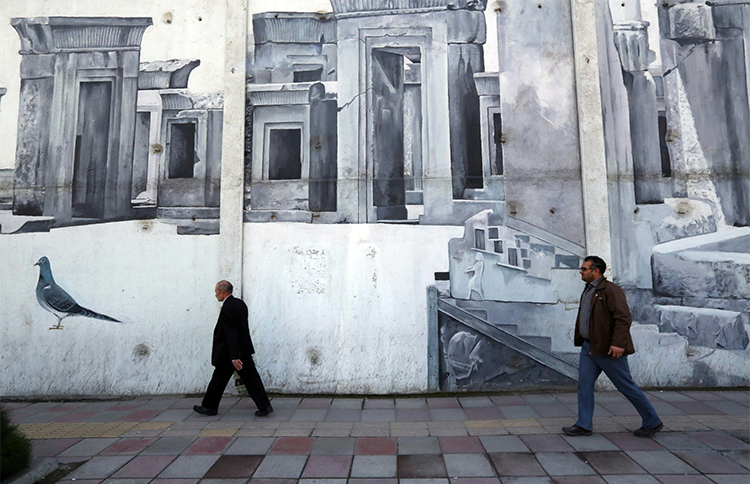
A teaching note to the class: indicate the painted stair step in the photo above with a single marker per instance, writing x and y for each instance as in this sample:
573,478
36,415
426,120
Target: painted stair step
543,342
712,328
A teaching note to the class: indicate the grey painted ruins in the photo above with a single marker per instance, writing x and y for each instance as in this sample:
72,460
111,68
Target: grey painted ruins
104,137
382,112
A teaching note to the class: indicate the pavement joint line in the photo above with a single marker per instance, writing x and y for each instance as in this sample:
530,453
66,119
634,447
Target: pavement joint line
520,422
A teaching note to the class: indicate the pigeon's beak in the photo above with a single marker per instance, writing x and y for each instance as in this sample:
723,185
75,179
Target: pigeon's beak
36,263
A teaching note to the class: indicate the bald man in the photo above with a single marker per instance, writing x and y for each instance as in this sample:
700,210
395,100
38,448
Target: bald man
232,350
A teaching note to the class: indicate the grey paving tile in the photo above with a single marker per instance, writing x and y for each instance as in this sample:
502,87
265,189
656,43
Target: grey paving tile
736,396
38,417
668,396
729,478
113,480
546,443
579,480
563,464
379,403
322,481
347,403
679,441
186,466
285,402
433,480
378,415
222,481
711,463
554,410
518,411
281,466
631,479
503,443
719,440
374,466
527,480
334,446
87,447
590,443
660,462
107,416
308,415
173,415
169,446
666,408
344,414
613,463
467,402
100,467
468,465
250,446
516,464
728,407
418,445
742,457
447,414
692,479
411,403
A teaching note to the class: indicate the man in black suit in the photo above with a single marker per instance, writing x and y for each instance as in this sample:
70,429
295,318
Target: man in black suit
232,350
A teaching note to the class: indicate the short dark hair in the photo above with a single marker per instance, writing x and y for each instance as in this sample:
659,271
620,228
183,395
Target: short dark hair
596,263
225,286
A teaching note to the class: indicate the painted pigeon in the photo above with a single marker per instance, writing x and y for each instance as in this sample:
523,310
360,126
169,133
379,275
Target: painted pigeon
55,300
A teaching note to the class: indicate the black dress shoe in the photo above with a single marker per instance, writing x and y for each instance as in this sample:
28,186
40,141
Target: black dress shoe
264,412
575,431
204,410
648,432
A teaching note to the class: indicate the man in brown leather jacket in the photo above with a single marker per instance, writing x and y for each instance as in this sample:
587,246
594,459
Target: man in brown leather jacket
603,333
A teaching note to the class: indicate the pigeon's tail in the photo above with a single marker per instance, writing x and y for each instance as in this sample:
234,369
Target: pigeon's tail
91,314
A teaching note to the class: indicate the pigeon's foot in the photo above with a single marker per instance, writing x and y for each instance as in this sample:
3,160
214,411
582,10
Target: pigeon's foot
57,326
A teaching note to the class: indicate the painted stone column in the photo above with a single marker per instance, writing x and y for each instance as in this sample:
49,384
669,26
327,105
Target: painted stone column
79,84
631,40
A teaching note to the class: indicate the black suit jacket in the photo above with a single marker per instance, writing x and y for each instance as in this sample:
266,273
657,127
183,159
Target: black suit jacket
232,335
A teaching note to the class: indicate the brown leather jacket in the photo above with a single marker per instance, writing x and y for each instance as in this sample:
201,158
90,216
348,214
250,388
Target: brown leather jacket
610,321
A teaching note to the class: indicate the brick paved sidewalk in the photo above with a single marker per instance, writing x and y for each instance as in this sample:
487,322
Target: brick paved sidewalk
445,440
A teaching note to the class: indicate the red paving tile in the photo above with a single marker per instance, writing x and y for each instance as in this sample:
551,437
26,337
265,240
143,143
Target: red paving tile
376,446
461,445
234,466
140,416
68,407
74,417
327,466
272,481
292,445
209,445
51,447
127,447
144,466
628,441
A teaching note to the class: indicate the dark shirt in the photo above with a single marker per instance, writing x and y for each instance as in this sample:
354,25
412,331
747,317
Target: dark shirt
585,313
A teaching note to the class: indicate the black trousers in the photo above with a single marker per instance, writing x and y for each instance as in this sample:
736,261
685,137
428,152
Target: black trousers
250,378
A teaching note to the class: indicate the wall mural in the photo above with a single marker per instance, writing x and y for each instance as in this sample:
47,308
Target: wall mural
105,137
54,299
384,113
347,114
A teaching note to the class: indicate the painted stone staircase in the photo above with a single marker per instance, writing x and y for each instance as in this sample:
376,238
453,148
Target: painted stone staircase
535,347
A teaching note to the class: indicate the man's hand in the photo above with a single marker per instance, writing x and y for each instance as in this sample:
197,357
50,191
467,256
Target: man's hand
615,351
238,364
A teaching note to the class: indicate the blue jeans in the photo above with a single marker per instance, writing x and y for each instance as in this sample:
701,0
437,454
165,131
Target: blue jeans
617,369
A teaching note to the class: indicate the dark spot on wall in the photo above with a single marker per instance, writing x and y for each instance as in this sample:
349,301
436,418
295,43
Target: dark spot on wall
314,356
552,210
200,19
147,225
167,18
141,352
156,148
